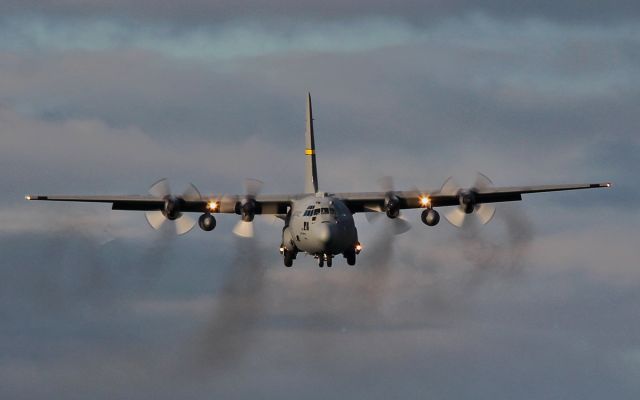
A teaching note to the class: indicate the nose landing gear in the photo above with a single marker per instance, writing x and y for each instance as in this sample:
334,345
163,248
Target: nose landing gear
325,257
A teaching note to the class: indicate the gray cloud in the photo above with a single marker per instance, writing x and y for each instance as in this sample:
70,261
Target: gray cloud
559,322
443,101
209,13
94,304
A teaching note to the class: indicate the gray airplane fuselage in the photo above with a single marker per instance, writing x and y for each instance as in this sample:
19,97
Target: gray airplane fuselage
319,225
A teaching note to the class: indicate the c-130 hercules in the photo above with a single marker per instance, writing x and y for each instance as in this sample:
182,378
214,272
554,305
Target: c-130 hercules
317,223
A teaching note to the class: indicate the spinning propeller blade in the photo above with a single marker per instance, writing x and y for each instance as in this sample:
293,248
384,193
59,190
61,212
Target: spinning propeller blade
252,187
457,216
244,227
160,188
155,219
182,223
191,193
399,225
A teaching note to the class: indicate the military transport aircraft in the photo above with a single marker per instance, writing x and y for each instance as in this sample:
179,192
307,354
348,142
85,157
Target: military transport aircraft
317,223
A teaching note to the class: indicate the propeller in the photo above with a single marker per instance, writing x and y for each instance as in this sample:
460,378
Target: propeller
247,208
399,225
244,229
183,223
466,198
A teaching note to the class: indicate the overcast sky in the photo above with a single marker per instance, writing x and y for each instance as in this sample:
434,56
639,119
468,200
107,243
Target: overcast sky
106,97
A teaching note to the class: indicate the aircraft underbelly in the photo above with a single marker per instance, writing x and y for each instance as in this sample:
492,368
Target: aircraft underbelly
325,238
336,245
329,239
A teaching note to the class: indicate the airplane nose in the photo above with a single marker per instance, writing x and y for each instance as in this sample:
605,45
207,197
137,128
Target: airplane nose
324,233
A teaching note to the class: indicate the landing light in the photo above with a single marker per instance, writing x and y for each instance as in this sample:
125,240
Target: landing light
425,201
212,205
358,248
27,197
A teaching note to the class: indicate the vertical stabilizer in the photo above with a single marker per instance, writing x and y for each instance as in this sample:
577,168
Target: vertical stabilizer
311,175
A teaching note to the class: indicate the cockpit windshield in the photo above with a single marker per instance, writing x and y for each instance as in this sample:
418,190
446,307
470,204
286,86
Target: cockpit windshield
325,211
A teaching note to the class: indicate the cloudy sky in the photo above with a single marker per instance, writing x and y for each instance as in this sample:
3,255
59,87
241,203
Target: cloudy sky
105,97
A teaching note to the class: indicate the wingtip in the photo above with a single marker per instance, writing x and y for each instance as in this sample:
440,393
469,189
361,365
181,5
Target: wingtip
35,197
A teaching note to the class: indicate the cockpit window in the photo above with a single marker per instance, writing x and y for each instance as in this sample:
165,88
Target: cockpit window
325,211
316,211
332,211
308,212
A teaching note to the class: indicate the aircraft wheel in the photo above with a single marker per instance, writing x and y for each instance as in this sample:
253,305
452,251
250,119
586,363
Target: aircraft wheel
351,259
350,255
288,259
329,262
321,261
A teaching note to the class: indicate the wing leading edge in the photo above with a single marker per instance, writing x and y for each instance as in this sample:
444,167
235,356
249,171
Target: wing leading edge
226,204
357,202
374,201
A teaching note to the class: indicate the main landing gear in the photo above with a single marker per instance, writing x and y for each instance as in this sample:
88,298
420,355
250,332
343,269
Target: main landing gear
288,256
350,254
288,259
351,257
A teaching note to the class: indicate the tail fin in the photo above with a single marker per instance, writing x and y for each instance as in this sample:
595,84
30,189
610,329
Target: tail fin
311,175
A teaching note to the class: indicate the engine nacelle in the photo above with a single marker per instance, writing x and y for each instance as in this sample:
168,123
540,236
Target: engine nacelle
430,217
171,209
207,222
392,205
467,201
247,209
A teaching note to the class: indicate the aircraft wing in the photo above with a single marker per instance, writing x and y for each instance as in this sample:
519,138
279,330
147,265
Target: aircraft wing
265,204
375,201
357,202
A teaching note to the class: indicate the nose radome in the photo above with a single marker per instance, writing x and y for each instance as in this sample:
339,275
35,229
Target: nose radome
324,233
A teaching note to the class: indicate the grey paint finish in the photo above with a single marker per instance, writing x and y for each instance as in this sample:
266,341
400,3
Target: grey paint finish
319,232
321,224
